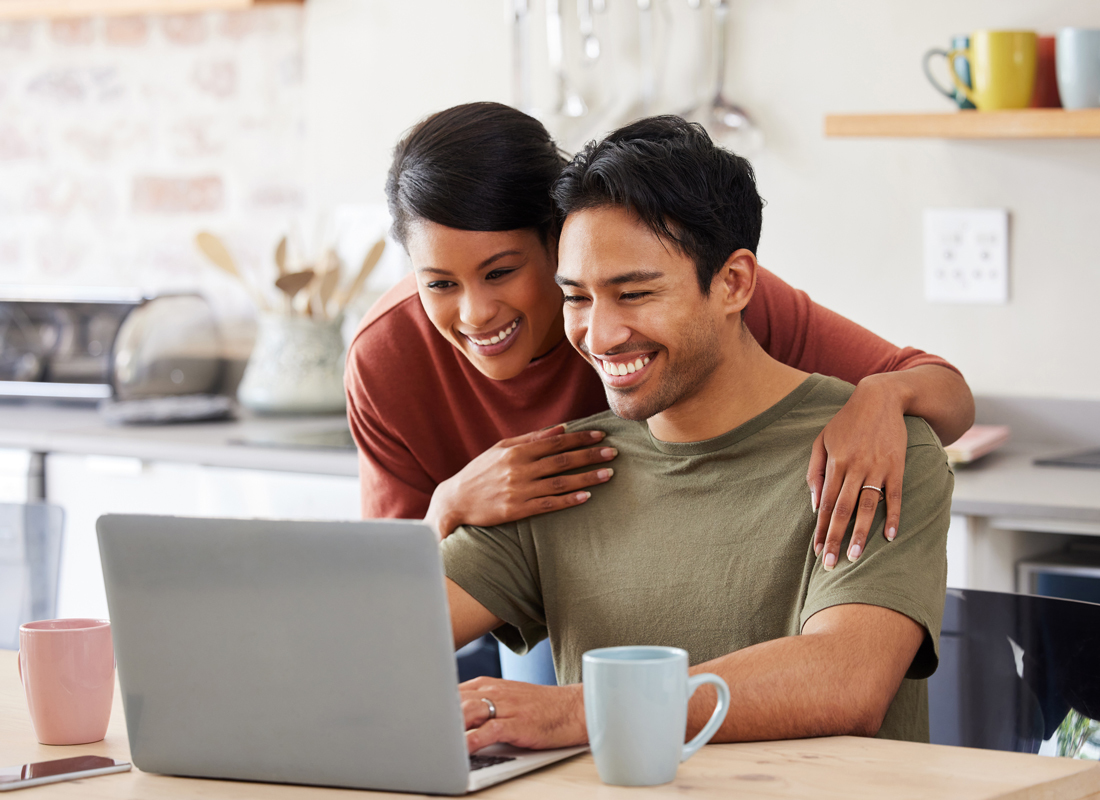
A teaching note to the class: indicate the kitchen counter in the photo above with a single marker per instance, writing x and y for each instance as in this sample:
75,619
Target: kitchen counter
49,428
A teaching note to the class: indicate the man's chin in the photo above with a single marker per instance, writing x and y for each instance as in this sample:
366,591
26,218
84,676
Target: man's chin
624,406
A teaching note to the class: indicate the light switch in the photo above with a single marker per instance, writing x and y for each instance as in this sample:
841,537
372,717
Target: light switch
966,255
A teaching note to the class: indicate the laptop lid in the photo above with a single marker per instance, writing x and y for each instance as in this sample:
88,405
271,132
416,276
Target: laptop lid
286,651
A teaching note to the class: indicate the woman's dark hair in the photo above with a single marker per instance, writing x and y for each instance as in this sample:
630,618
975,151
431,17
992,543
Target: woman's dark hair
682,186
475,167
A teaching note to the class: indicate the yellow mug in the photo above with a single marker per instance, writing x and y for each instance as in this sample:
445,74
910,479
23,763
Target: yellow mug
1002,69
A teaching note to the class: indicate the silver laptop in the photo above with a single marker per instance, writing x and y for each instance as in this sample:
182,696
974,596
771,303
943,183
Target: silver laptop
292,652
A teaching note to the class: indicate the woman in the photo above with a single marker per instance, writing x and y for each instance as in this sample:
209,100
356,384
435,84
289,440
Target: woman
455,375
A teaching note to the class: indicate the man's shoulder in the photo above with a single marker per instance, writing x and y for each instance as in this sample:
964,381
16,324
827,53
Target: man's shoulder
607,422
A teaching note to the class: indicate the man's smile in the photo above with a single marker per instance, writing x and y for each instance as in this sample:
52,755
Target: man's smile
622,371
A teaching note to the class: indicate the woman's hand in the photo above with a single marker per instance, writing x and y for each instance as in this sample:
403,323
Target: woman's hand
520,477
862,446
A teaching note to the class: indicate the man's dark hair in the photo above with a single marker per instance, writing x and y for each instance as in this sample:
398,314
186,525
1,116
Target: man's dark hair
475,167
682,186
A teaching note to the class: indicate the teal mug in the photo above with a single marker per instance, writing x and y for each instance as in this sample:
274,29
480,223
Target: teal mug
635,706
962,67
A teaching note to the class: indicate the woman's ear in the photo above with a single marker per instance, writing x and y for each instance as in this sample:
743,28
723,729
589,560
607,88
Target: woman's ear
736,280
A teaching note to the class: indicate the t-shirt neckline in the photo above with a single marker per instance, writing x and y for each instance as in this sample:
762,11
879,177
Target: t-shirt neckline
742,431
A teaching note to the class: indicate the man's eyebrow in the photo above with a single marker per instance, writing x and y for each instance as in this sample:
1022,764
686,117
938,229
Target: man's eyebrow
486,263
637,276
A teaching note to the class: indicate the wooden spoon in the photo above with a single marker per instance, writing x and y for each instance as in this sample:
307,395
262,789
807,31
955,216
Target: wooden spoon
214,249
280,257
292,283
369,263
328,285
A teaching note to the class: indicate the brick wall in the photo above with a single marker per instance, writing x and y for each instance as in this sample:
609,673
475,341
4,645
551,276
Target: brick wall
121,137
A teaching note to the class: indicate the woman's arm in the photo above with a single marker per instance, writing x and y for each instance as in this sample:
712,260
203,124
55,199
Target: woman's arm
864,445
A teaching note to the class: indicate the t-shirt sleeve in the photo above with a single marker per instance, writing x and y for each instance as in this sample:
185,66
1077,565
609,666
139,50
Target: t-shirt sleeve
392,483
908,575
794,329
498,568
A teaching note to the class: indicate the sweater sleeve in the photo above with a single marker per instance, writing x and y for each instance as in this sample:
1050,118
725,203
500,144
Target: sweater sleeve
794,329
392,484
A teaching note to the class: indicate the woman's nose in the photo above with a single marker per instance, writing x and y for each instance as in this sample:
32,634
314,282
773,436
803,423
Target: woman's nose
477,308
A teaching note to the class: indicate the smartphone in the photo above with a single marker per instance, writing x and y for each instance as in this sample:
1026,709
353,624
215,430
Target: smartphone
61,769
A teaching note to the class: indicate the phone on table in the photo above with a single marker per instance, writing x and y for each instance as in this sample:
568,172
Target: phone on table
61,769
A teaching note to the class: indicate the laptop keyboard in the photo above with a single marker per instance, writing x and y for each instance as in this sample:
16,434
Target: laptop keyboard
480,762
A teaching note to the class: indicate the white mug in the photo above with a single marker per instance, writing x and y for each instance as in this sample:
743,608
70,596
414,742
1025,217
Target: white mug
1077,59
635,706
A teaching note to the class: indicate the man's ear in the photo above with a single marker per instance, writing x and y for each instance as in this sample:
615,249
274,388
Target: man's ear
736,281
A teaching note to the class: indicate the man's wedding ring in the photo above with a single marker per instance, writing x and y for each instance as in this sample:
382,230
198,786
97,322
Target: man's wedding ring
492,708
877,489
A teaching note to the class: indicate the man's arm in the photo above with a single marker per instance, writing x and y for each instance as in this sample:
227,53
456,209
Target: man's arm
469,619
838,677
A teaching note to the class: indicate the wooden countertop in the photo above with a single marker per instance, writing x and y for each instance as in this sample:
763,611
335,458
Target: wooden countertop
840,768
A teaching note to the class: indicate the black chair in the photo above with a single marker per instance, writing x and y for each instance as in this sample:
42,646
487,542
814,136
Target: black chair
1018,673
30,561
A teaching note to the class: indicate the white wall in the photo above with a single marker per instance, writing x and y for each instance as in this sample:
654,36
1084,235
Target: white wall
843,219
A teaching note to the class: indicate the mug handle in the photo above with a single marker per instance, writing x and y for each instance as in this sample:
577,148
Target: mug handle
962,87
716,719
935,51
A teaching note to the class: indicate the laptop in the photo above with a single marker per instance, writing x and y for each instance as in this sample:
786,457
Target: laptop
302,652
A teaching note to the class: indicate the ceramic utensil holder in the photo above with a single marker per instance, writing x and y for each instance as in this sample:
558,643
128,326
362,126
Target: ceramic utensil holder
296,367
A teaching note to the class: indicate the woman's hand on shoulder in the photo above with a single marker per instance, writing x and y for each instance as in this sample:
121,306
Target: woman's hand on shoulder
521,477
858,461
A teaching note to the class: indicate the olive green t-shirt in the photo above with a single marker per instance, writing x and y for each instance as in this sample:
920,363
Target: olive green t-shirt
708,546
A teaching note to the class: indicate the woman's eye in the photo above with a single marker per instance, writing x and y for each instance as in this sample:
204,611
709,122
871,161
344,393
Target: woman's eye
437,285
498,273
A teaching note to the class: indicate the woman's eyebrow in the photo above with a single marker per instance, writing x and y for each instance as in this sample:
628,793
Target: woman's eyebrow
486,263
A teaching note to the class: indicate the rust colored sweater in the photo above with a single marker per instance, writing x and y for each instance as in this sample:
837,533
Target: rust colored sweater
419,411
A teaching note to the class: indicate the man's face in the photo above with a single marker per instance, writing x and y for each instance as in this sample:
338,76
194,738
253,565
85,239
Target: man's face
633,308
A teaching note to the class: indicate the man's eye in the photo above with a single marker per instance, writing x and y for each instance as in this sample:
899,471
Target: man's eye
633,295
498,273
437,285
573,299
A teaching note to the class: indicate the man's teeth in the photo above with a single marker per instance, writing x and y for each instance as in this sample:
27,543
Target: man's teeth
498,338
624,368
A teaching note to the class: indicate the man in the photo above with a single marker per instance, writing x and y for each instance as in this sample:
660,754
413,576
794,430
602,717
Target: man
702,541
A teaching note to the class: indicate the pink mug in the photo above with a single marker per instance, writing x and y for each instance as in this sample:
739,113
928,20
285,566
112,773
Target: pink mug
67,667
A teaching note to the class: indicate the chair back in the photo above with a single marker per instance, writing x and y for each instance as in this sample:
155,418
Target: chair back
1019,673
30,562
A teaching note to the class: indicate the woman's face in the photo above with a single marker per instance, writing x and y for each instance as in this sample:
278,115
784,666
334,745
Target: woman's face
490,293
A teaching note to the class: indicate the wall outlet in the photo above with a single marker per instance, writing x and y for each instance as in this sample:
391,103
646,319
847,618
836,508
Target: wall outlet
966,255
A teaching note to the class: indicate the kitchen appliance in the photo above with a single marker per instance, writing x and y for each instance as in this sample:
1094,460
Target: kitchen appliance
97,344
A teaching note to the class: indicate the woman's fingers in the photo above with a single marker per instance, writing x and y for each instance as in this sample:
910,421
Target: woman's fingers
893,502
870,493
553,444
838,502
557,463
815,478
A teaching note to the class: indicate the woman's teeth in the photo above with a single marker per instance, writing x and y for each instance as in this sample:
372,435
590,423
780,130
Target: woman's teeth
496,338
623,368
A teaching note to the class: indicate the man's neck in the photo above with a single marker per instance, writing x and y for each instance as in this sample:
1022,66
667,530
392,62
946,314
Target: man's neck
746,384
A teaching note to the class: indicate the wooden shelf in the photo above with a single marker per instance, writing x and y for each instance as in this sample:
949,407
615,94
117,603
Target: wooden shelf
31,9
1029,123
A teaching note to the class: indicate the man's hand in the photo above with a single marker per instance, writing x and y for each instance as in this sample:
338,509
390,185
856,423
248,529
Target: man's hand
535,717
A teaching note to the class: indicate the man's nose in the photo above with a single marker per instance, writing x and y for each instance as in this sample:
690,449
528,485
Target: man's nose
606,329
477,308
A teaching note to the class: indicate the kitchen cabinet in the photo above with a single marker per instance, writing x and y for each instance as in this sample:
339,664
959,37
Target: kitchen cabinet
88,486
1028,123
29,9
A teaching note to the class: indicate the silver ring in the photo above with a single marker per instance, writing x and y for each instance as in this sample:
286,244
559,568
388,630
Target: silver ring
492,708
877,489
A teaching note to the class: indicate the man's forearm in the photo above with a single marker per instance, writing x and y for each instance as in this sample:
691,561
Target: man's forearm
936,393
833,679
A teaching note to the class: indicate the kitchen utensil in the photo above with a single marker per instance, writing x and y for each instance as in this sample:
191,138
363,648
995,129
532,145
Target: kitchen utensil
590,43
215,250
280,257
1002,69
292,283
1078,58
962,66
569,101
326,287
727,121
370,261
